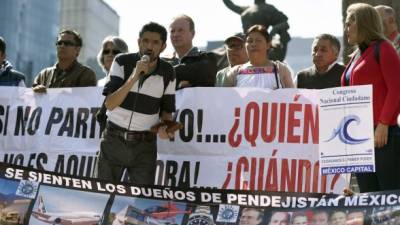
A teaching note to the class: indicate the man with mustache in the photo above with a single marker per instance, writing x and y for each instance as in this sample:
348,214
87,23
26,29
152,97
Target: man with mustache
139,93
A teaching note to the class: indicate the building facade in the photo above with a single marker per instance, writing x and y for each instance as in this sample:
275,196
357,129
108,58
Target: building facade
30,29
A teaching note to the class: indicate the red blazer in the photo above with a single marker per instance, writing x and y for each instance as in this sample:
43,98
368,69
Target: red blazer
384,77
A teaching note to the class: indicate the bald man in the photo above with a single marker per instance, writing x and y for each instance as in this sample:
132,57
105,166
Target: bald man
390,26
193,68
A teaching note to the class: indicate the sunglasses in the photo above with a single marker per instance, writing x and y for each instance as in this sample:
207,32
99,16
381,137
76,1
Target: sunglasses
108,51
65,43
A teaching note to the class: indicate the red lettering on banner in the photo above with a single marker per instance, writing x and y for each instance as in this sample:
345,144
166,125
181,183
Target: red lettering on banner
311,122
304,164
282,124
253,170
271,183
252,118
295,124
228,176
276,174
288,177
269,137
234,142
242,166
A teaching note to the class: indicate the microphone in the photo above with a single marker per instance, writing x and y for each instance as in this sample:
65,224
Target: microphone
146,59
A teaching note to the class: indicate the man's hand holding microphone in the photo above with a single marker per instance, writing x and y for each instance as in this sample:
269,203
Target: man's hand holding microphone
142,68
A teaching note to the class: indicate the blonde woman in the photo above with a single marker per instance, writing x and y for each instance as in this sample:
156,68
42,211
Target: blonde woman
375,62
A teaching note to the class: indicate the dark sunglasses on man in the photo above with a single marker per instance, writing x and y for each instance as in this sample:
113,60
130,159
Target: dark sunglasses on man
65,43
108,51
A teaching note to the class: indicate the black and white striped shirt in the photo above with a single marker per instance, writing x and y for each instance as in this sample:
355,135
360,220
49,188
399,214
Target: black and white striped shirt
143,105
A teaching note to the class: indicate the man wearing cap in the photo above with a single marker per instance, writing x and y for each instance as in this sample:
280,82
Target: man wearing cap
236,53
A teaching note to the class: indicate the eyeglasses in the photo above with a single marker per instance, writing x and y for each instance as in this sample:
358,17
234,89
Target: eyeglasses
113,51
65,43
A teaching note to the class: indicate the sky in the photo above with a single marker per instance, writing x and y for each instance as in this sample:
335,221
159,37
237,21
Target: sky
213,21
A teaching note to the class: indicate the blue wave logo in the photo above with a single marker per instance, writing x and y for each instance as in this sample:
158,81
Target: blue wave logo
343,133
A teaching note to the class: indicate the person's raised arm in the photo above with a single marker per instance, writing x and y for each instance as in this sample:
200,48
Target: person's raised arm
117,97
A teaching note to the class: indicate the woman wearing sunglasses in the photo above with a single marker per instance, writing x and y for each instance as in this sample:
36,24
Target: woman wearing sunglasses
111,46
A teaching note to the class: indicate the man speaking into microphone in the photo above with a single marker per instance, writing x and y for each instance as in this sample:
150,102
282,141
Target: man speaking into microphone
140,92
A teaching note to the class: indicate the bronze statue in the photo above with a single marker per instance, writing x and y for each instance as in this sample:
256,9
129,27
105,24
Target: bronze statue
266,15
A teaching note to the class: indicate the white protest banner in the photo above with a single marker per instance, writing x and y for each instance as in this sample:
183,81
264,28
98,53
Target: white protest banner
56,131
234,138
346,130
246,138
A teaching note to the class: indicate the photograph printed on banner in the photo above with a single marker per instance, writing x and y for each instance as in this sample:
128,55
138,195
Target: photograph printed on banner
386,215
353,216
140,211
13,207
66,206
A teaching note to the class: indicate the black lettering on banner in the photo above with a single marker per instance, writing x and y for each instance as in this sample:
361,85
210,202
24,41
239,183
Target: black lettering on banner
35,117
69,127
59,167
4,121
187,118
75,165
19,160
68,124
15,159
93,122
27,118
199,125
8,158
83,115
184,176
171,168
35,160
86,162
172,173
56,116
159,172
72,165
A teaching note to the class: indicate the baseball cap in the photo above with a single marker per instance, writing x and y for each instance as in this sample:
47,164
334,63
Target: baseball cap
237,36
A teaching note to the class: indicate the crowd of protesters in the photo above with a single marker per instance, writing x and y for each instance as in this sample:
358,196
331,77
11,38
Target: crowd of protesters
139,88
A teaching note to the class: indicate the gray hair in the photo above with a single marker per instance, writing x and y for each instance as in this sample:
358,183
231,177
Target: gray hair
389,11
335,43
117,42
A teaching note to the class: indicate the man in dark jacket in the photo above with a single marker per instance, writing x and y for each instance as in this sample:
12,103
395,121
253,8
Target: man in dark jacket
194,68
9,76
326,72
67,72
